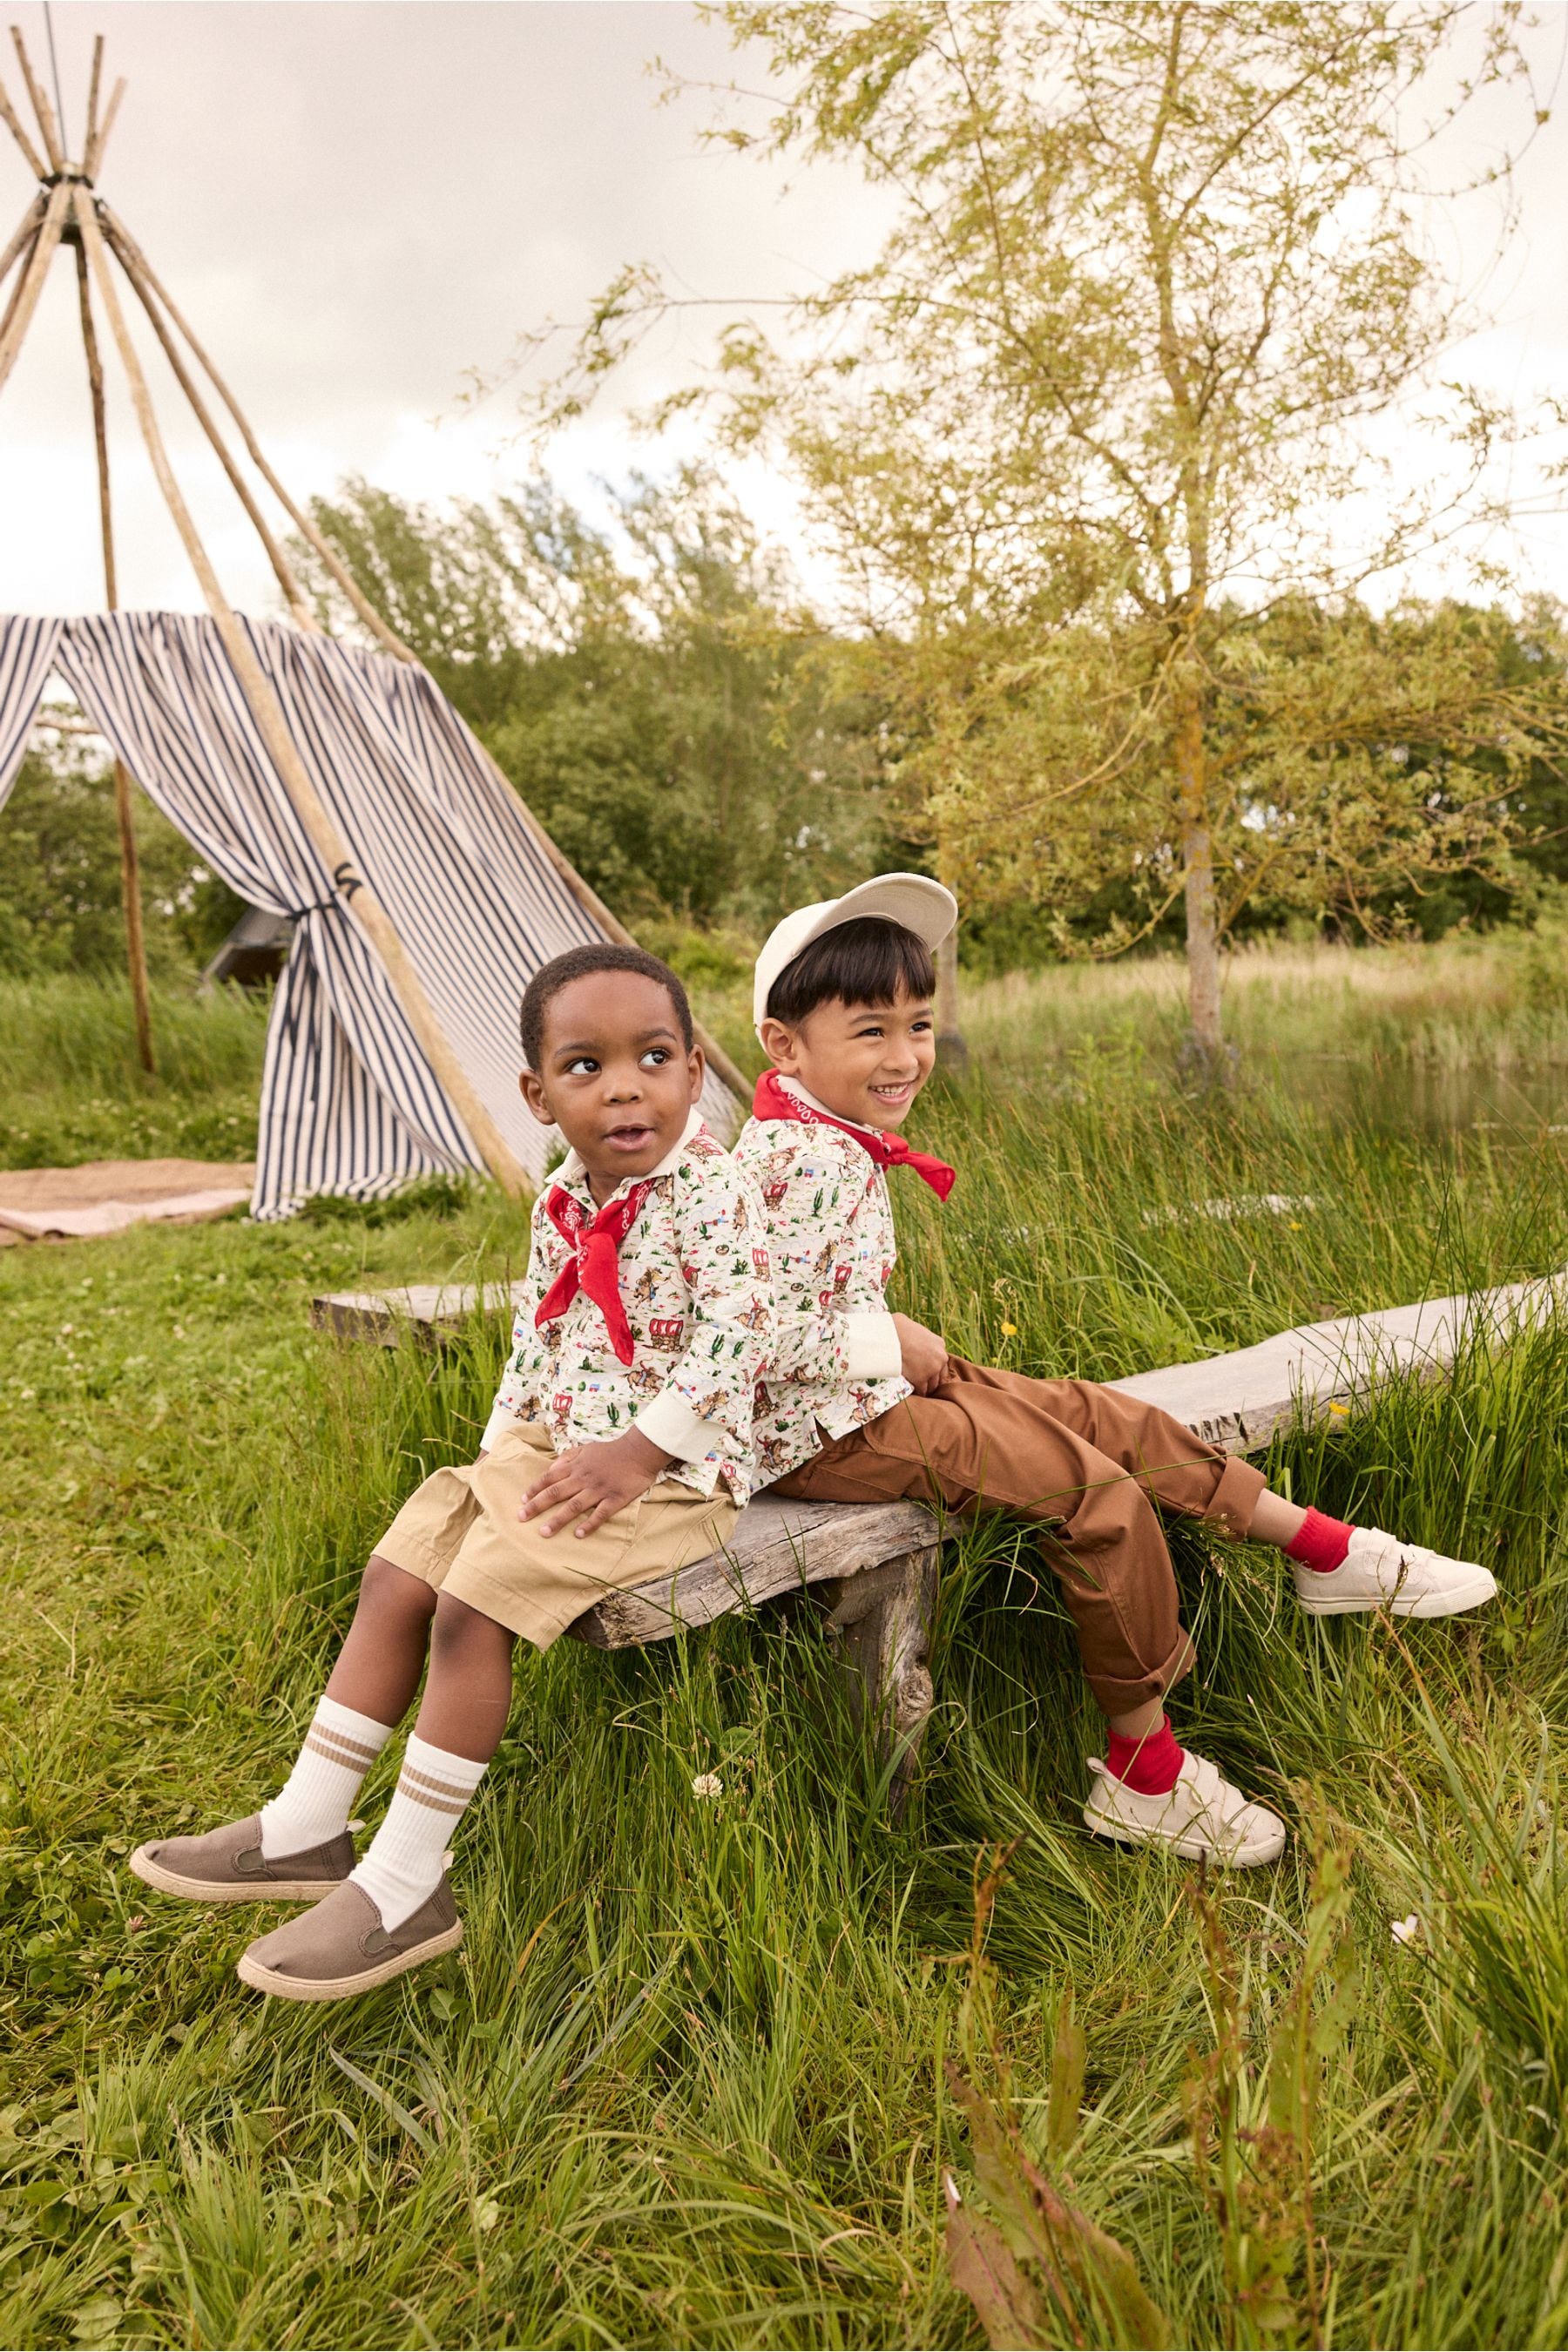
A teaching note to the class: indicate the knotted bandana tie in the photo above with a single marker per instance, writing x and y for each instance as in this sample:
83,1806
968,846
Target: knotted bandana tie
773,1100
595,1264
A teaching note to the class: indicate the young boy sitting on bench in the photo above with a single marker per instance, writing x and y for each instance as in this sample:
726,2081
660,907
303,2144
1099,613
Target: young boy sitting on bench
861,1405
619,1449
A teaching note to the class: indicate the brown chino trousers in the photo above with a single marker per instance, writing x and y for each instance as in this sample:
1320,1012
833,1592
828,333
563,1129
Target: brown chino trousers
1091,1465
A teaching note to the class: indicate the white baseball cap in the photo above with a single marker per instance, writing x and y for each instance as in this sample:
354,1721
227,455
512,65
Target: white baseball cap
921,905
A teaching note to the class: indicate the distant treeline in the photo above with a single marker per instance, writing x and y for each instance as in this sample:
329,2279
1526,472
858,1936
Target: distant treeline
708,752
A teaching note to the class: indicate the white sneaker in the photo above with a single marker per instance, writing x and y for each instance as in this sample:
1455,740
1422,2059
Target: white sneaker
1203,1817
1380,1573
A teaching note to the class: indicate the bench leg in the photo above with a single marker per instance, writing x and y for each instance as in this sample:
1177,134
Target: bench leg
882,1618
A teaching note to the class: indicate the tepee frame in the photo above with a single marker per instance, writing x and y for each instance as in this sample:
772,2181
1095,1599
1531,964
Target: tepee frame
66,209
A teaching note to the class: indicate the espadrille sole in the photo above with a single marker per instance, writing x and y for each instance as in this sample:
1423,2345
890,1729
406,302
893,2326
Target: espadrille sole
365,1979
212,1890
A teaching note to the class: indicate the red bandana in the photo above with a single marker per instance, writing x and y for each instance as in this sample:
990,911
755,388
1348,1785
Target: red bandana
773,1100
595,1265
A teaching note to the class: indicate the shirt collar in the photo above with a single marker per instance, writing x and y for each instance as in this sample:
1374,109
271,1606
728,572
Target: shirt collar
573,1175
802,1094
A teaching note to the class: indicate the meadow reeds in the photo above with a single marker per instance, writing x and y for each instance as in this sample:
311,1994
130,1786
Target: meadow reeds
689,2079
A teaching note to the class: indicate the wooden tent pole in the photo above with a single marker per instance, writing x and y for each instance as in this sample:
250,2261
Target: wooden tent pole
13,121
94,155
26,299
41,106
13,299
94,80
27,230
358,896
135,264
124,810
140,271
282,570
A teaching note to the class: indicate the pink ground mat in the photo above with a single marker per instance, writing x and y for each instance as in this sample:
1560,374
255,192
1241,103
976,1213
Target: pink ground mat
105,1196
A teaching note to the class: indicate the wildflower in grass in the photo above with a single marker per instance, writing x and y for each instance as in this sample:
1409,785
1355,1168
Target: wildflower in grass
707,1784
1009,1330
1405,1931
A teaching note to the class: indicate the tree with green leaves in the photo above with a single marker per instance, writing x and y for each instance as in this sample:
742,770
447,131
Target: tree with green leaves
1105,400
653,688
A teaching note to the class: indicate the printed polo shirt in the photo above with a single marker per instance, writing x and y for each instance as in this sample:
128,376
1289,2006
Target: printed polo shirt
695,1284
836,1363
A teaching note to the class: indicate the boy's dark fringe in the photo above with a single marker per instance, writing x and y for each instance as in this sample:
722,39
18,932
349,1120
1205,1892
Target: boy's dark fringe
867,961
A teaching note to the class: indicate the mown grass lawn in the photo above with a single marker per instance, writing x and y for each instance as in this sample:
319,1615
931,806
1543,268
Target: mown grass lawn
685,2082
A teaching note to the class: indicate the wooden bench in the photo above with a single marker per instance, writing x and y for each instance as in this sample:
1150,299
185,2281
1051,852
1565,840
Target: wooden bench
873,1566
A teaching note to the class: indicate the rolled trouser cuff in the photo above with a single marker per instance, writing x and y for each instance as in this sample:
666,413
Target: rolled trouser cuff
1234,1502
1113,1697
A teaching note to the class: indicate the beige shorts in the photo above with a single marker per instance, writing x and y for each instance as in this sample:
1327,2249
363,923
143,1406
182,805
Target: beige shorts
460,1532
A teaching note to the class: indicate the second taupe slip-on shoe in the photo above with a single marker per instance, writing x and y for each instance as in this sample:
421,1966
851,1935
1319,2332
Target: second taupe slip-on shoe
227,1865
340,1948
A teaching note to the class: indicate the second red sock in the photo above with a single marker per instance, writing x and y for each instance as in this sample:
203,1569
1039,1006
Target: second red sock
1151,1765
1320,1543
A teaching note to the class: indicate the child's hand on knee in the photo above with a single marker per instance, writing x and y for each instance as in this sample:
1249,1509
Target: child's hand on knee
591,1482
924,1354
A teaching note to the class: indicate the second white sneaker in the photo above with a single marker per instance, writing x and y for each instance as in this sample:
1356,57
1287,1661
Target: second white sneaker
1203,1818
1380,1573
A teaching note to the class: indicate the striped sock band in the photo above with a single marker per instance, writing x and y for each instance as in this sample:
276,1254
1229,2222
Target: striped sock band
315,1801
408,1855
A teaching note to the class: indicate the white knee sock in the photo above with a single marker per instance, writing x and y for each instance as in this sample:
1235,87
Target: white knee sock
315,1801
408,1855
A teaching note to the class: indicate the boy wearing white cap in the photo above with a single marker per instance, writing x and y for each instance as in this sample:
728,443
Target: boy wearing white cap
859,1405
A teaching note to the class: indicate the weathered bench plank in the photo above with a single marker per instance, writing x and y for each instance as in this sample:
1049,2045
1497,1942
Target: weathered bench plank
777,1548
424,1310
1241,1400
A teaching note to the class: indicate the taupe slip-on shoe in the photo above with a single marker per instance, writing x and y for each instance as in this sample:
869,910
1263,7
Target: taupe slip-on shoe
340,1948
227,1865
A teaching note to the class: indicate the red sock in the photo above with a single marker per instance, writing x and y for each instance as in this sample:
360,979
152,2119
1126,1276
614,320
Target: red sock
1320,1543
1150,1765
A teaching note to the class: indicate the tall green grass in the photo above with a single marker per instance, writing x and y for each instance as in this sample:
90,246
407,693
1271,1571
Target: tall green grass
686,2081
73,1090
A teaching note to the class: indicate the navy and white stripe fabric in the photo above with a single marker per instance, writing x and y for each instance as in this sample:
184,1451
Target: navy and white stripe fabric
349,1103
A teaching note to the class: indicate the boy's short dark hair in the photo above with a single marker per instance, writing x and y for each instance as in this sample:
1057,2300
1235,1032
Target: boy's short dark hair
581,963
867,961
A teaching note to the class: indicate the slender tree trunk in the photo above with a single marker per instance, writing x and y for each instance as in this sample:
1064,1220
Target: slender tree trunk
1208,1040
949,1040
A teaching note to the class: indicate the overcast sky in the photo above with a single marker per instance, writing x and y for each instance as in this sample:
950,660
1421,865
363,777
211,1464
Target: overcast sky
354,203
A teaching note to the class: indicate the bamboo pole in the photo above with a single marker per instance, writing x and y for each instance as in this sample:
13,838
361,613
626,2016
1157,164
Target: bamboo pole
93,81
13,299
282,570
94,156
26,301
358,896
13,121
129,861
28,228
41,106
137,266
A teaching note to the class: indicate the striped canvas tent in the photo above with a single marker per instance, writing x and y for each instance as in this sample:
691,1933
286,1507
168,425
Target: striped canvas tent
350,1103
324,783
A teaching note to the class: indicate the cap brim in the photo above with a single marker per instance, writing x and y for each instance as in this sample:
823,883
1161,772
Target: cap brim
921,905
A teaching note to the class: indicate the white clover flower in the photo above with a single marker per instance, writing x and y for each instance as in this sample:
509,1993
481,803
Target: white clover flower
1405,1931
707,1784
